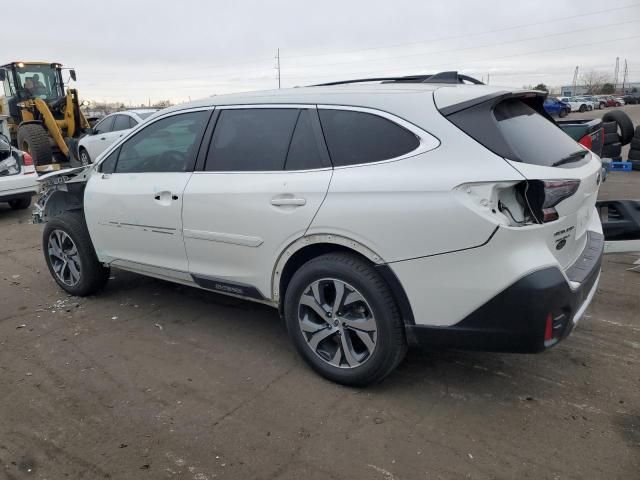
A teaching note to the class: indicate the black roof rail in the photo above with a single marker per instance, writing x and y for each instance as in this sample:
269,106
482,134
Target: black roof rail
452,77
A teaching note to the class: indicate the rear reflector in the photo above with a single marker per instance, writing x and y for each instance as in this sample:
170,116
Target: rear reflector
548,329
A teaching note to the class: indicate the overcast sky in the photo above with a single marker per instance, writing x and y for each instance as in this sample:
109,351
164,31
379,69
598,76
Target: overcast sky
135,50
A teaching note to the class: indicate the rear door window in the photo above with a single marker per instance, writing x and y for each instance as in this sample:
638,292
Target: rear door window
358,137
121,123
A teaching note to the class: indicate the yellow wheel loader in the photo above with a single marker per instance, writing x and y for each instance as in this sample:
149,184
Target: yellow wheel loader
43,119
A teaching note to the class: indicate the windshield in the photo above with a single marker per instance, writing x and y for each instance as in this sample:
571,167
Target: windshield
39,81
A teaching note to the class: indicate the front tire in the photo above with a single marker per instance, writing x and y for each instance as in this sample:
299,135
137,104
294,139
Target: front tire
582,108
343,320
85,159
70,256
33,138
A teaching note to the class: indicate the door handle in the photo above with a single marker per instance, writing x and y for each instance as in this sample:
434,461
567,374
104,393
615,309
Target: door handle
103,138
165,196
288,201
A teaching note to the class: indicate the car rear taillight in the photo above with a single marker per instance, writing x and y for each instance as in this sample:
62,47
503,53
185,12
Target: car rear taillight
27,163
586,141
543,195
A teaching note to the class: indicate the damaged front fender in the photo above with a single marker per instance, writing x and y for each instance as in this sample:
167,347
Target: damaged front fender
59,192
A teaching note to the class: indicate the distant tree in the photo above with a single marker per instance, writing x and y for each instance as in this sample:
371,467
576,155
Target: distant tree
607,88
634,90
541,86
593,81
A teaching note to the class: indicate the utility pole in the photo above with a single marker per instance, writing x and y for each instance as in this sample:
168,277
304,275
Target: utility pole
625,72
278,66
574,84
615,74
488,78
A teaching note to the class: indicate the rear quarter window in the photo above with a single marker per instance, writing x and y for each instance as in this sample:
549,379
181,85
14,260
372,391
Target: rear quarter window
359,137
516,131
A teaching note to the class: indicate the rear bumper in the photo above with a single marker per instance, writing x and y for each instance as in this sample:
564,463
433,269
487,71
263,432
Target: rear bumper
17,193
516,319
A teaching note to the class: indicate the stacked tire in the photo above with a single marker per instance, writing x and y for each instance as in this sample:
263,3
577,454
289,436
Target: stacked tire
618,131
634,151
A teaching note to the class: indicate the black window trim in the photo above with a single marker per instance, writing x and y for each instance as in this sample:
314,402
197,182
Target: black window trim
111,117
317,129
426,140
135,131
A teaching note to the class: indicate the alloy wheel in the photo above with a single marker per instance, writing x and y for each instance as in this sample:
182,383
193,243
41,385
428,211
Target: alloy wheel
84,158
64,258
337,323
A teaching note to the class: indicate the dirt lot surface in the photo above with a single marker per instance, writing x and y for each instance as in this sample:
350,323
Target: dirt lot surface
158,381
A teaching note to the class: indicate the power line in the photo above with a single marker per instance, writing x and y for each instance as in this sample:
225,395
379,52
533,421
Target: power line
488,58
466,35
419,54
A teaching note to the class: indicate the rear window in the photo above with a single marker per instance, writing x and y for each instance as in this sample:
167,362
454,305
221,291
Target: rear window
358,137
516,131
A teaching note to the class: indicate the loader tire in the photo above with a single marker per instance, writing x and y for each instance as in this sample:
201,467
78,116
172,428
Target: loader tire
33,138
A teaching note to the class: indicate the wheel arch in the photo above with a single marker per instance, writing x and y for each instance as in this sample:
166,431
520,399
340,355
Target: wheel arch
61,201
312,246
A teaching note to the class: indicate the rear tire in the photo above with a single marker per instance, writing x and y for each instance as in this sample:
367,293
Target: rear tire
70,255
582,108
363,340
610,127
612,150
624,123
33,138
610,138
20,203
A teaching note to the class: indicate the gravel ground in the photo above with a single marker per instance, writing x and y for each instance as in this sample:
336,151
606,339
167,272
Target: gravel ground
159,381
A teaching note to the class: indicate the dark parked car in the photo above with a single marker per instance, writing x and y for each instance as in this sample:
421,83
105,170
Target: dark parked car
555,107
631,99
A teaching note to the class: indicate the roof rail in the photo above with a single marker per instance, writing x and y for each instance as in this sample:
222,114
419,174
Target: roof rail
452,77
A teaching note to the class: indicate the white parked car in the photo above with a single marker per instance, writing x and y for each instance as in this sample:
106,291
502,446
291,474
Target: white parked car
18,177
373,216
576,104
108,130
591,103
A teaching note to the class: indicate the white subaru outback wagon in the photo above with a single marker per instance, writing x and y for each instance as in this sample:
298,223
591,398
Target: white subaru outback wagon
374,215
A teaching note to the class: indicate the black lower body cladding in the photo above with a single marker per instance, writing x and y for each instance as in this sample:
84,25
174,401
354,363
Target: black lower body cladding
516,319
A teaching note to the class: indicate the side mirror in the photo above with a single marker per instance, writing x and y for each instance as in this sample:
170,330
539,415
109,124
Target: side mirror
72,72
3,75
90,131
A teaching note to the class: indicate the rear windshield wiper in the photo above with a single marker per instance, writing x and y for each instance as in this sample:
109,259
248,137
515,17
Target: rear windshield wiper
574,157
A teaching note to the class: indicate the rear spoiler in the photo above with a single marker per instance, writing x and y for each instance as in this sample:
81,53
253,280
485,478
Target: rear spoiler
534,98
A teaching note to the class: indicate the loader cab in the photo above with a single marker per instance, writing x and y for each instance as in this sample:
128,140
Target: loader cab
25,81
